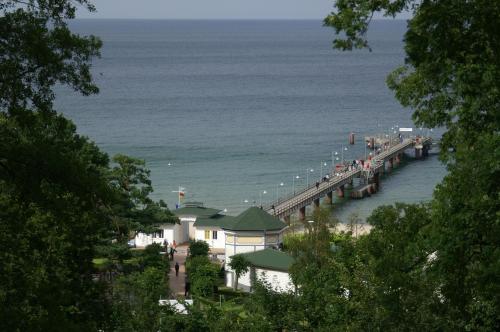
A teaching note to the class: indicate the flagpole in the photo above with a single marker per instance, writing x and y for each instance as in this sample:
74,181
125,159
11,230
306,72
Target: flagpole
180,193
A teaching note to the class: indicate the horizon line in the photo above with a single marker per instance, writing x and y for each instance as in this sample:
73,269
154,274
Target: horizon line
224,19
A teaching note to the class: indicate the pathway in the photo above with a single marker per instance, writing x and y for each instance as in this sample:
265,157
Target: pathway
176,283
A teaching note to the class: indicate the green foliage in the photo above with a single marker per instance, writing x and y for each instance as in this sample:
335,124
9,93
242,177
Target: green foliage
151,257
203,275
38,51
52,190
134,210
52,184
135,300
198,248
391,282
240,265
450,79
60,205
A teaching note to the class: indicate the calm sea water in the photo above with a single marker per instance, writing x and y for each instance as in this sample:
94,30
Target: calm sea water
230,109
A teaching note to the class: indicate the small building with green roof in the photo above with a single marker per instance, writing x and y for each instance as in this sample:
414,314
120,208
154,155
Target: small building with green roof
185,230
252,230
188,214
269,266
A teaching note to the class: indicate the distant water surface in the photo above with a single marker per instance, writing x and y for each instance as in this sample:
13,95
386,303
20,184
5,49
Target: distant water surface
229,109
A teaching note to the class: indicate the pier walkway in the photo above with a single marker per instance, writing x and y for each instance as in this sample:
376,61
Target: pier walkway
297,202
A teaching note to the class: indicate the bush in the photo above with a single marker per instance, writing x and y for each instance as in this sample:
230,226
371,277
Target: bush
203,275
198,248
135,300
151,257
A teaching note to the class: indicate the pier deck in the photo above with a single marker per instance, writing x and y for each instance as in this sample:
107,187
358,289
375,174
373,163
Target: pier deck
286,206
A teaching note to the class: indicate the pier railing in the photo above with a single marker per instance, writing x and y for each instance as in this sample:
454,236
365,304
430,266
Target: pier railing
292,202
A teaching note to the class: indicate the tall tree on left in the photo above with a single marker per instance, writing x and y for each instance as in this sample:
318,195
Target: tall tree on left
53,187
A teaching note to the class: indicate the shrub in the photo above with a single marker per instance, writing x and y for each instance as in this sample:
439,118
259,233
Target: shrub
198,248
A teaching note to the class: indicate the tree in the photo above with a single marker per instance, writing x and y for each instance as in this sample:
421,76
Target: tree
151,257
52,190
198,248
450,80
52,180
240,265
203,275
134,210
391,287
135,300
451,65
38,51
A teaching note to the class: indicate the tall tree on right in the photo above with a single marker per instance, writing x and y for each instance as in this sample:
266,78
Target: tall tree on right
450,79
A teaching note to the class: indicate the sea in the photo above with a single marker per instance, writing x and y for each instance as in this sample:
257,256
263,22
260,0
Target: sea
233,111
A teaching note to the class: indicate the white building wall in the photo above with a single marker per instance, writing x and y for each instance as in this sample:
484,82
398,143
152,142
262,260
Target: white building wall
218,243
279,281
142,240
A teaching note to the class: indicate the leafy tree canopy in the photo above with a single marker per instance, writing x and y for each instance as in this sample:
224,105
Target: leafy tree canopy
198,248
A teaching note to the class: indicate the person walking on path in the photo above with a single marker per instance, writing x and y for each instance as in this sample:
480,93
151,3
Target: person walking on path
176,269
176,281
172,251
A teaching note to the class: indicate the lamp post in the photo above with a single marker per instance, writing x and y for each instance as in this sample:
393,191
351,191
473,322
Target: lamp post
281,184
321,169
293,182
307,176
343,149
262,193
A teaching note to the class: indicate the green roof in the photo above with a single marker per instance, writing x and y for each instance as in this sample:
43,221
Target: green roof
271,259
196,211
218,220
255,219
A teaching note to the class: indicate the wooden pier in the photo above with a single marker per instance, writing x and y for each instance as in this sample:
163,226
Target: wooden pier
389,157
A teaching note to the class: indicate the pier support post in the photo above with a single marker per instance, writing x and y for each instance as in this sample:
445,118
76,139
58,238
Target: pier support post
340,191
398,159
376,180
302,213
425,151
316,203
418,153
329,198
391,163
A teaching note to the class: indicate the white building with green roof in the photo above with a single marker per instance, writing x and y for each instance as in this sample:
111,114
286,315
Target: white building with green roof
188,215
251,231
268,266
181,232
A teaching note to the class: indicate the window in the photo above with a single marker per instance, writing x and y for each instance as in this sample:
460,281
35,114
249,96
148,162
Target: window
207,235
214,235
158,234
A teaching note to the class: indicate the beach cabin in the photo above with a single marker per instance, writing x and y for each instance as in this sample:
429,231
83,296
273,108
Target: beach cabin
270,267
252,230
